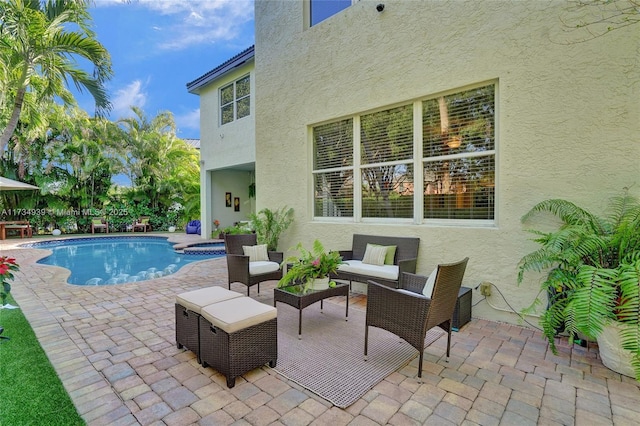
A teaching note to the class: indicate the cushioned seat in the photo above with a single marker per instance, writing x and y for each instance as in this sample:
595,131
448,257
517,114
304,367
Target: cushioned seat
188,306
238,335
143,223
250,263
98,223
193,227
380,258
357,267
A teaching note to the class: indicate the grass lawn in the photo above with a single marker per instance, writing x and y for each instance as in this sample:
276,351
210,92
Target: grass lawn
30,391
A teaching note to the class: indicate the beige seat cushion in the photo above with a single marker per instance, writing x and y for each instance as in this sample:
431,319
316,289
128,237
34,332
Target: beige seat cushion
238,313
262,267
389,272
197,299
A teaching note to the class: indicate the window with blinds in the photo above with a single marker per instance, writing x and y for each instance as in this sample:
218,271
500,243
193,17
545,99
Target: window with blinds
386,152
333,169
453,178
459,155
235,100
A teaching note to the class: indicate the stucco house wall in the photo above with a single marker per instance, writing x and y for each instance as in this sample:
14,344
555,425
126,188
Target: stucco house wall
227,153
567,114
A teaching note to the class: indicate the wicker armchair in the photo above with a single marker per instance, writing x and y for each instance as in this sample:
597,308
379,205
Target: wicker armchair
238,264
407,313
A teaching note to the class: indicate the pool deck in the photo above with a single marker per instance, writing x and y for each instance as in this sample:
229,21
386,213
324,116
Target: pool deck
114,350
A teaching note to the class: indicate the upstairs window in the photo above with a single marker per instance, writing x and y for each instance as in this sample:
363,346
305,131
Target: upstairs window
235,100
323,9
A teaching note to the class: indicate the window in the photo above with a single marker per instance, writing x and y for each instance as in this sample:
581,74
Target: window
323,9
235,100
459,155
333,162
440,168
386,153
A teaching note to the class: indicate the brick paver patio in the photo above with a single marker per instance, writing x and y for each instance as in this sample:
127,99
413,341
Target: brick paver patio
114,349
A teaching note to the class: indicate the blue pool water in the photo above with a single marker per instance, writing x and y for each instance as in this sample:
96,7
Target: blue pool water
117,260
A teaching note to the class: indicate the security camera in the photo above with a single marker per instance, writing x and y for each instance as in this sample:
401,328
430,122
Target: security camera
380,7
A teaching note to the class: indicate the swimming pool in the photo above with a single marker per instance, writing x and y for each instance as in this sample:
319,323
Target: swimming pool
118,260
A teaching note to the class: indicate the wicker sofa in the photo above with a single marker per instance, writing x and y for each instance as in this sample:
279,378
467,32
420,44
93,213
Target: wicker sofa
405,260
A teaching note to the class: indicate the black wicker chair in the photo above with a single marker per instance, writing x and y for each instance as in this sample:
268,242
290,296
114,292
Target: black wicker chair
238,263
409,314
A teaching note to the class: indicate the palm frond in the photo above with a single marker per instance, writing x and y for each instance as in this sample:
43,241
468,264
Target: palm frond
566,211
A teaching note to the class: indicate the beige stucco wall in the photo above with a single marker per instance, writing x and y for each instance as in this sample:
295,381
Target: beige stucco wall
567,113
224,147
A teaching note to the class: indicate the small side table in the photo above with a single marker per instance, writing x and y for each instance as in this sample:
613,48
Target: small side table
462,312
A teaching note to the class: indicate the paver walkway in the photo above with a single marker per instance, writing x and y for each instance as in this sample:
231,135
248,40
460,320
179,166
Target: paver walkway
114,349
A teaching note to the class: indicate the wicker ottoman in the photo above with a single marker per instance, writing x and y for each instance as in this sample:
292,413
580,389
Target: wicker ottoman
188,307
238,335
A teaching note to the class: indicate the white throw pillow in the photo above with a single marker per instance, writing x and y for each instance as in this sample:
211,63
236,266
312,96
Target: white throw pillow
256,253
431,282
374,255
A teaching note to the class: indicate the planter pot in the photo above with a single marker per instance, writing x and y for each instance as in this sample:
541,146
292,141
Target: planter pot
611,352
172,229
320,283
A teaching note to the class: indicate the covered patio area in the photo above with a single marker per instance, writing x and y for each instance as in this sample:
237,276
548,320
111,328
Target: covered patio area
114,349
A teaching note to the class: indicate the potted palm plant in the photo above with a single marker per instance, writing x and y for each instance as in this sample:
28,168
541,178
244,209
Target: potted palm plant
311,268
593,277
270,224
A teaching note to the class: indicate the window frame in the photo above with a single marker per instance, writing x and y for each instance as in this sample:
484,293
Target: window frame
234,101
418,162
309,12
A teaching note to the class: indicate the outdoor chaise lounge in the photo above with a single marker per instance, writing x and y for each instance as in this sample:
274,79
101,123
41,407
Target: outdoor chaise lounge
98,223
420,304
249,263
362,265
143,223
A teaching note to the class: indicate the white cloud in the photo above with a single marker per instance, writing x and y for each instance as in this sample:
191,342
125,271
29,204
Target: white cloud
197,21
189,120
131,95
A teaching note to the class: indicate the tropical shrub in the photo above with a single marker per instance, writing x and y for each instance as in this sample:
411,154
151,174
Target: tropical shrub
270,224
593,270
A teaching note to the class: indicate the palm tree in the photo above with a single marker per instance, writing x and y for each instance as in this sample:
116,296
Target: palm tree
40,43
162,167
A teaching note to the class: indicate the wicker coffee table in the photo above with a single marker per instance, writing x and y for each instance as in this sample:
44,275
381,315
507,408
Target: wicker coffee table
300,298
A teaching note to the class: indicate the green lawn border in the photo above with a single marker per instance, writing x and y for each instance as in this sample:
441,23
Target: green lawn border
31,392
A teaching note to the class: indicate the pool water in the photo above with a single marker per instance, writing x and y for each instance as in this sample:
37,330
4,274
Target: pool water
117,260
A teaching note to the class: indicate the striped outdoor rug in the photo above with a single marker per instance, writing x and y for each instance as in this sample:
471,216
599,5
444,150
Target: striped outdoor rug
329,359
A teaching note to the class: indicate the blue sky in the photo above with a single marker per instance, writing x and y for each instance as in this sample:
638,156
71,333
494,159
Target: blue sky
158,46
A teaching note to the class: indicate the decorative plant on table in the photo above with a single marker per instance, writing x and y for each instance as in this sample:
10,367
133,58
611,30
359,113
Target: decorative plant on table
310,266
593,281
7,266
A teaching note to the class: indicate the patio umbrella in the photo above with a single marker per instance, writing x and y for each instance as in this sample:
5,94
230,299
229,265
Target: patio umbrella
14,185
